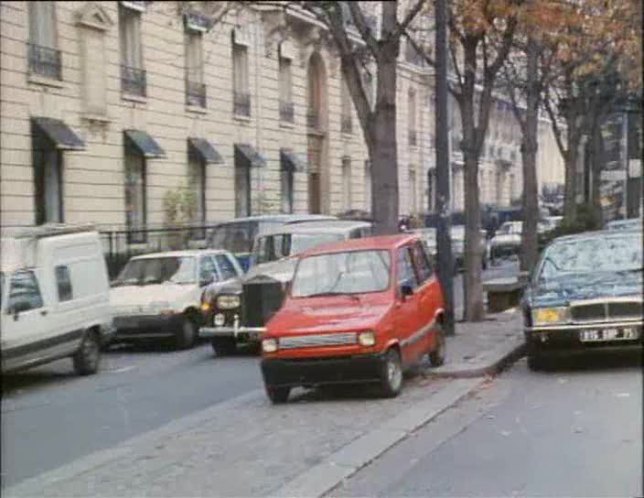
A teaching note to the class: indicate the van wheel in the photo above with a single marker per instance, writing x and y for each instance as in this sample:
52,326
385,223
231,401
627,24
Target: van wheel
224,346
437,356
187,335
278,395
391,374
87,358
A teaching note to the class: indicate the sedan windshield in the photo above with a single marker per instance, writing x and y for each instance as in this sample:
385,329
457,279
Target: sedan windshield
354,272
274,247
147,271
600,254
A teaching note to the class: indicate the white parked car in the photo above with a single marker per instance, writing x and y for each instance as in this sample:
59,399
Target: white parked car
54,298
159,295
507,240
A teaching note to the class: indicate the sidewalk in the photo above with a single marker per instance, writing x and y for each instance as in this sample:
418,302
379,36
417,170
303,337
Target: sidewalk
483,348
246,447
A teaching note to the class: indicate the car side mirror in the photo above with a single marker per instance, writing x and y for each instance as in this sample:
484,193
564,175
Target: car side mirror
206,280
406,291
17,308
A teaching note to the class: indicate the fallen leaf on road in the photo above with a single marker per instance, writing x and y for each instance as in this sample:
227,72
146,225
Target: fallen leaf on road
505,433
490,417
562,380
578,430
623,395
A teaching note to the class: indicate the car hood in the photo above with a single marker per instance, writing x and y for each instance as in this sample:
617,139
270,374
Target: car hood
281,270
338,314
561,291
126,296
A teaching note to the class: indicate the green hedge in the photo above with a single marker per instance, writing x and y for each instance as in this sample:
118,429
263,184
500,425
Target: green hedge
586,220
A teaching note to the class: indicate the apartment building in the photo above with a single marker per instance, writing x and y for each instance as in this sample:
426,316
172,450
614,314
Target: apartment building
108,106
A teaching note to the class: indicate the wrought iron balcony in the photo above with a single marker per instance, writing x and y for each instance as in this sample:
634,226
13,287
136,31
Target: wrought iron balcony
413,137
346,126
241,103
195,94
133,81
45,61
287,111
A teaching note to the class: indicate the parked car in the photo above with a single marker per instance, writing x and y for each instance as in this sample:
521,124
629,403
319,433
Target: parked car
237,236
507,240
458,247
54,298
586,293
237,314
360,311
159,295
628,224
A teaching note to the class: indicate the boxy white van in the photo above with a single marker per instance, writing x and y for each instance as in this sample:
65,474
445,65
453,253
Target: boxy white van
54,297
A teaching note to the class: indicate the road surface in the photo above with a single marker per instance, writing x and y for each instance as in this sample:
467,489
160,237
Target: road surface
575,432
51,417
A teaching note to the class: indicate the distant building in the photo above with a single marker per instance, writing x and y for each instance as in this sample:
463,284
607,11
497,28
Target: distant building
107,106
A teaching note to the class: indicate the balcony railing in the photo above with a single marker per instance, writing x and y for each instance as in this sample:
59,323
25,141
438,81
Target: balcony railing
313,120
45,61
287,111
133,81
346,125
241,103
195,94
413,137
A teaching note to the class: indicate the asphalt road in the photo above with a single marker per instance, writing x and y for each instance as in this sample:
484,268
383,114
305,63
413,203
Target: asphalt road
574,431
51,417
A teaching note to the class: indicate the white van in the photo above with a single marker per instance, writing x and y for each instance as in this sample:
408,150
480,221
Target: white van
54,297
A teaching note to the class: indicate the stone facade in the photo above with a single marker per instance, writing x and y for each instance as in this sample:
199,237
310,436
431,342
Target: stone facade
78,81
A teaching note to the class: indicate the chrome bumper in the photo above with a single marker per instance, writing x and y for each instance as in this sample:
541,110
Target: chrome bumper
585,326
246,333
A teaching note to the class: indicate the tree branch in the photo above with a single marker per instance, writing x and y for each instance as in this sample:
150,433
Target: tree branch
413,12
363,28
554,123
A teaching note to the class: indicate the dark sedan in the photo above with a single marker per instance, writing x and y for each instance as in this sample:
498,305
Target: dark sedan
585,294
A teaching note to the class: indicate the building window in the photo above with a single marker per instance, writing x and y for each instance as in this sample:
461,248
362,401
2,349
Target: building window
242,190
346,183
135,192
44,58
413,189
133,77
287,113
287,181
197,185
367,185
241,95
411,116
64,284
48,178
346,123
195,88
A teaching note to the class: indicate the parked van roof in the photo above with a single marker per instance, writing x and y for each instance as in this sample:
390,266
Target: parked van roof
179,254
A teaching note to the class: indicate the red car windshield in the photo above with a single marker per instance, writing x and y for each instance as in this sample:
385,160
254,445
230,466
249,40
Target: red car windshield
352,272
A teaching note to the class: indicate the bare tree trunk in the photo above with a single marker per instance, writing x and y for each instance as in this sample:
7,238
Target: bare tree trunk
473,286
529,244
383,151
570,187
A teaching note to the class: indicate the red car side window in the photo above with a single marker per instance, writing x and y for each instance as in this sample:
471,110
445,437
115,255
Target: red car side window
406,272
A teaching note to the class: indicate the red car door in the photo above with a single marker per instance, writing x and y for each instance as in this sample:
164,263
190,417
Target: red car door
429,295
408,320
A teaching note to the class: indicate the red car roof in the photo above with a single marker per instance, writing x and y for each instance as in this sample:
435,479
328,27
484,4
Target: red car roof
382,242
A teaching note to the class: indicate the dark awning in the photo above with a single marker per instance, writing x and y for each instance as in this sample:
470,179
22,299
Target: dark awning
143,143
204,150
247,156
59,133
290,161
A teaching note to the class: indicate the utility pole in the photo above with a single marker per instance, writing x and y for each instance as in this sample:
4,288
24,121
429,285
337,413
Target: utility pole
444,248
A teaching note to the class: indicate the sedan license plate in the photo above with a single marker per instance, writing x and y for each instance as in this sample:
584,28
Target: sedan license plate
600,335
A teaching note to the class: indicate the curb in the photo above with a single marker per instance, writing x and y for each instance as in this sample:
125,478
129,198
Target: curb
324,477
503,359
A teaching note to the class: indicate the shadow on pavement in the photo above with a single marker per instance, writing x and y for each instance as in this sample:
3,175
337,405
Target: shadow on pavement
13,383
594,361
